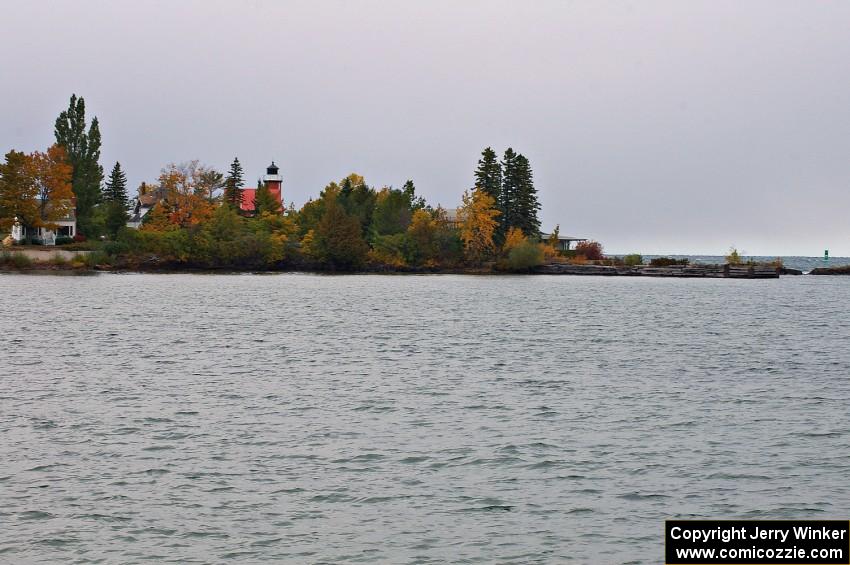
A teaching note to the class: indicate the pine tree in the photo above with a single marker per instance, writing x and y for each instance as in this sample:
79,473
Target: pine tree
115,197
392,212
83,150
525,203
233,185
488,175
337,239
358,199
510,186
116,186
416,202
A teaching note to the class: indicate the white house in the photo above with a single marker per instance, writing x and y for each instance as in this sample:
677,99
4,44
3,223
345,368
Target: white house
564,241
66,227
141,205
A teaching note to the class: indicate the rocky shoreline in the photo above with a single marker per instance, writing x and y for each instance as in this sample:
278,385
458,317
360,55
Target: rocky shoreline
41,261
675,271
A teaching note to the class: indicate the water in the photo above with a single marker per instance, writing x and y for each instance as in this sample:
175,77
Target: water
411,419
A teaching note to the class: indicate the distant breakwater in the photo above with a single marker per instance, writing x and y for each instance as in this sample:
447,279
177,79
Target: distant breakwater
680,271
841,270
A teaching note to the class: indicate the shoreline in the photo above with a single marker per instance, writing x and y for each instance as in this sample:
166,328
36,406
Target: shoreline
560,269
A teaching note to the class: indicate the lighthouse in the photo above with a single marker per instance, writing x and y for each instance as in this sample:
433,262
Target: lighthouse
274,181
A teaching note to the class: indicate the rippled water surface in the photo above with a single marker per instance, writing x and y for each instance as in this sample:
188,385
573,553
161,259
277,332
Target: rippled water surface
411,419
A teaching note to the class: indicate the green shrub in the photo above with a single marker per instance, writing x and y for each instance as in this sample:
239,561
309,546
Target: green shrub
668,261
58,259
95,258
525,256
633,259
64,240
116,248
734,258
15,259
393,250
83,245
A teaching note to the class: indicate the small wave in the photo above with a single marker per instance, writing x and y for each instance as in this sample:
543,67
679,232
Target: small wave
490,508
48,467
35,515
738,476
196,534
158,448
333,497
639,496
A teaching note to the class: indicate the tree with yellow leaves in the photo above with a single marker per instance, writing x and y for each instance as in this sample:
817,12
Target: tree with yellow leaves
519,253
514,239
478,224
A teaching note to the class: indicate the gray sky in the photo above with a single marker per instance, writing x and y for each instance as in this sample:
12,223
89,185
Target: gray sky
654,127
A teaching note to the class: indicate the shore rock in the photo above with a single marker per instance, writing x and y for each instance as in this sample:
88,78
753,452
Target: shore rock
843,270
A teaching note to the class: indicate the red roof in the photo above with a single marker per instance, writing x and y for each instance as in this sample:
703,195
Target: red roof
248,196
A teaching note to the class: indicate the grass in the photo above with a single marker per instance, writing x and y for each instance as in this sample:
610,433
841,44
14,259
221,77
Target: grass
15,260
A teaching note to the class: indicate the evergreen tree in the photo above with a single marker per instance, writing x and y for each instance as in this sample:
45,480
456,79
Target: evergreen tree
358,199
525,203
392,212
116,217
416,202
337,240
83,151
264,201
116,186
488,175
346,187
510,185
233,185
115,197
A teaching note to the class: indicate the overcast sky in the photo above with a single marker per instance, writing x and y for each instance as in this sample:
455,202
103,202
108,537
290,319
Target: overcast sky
654,127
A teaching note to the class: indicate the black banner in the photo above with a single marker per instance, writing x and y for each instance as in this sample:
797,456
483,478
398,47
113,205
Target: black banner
757,542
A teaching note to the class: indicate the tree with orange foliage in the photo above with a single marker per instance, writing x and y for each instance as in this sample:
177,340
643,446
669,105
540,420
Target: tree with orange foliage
478,224
17,191
591,250
186,193
52,176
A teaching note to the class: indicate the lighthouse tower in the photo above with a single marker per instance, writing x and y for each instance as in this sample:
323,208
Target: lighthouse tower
274,181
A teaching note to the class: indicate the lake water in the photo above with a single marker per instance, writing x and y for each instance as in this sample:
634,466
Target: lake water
412,419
